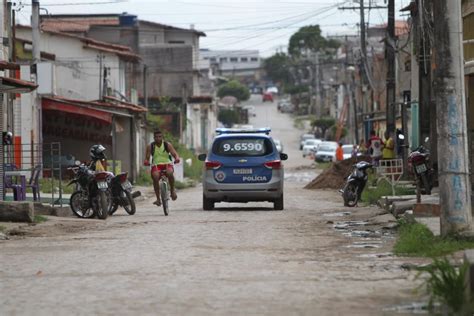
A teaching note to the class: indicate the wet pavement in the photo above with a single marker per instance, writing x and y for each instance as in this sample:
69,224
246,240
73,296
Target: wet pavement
239,259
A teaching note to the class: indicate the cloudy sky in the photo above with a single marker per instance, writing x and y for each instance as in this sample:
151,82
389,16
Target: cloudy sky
265,25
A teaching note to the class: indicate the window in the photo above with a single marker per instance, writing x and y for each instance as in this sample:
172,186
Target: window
243,147
176,42
244,59
213,59
234,59
206,58
223,59
408,65
254,59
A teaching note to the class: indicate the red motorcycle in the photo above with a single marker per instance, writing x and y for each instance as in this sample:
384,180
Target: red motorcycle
418,162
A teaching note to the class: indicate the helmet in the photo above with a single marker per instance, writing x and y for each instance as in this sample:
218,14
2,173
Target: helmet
97,152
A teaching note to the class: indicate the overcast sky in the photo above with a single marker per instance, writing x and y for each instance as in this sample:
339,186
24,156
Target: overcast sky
265,25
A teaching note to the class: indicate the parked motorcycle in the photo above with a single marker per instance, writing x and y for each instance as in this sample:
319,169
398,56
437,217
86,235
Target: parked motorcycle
121,190
355,183
92,196
418,162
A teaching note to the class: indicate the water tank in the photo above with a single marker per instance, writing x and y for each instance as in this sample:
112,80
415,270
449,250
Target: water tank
128,19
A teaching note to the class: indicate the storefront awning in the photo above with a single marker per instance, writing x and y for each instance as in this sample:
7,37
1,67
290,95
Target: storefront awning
10,85
52,104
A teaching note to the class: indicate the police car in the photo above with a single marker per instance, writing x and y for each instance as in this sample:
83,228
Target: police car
243,166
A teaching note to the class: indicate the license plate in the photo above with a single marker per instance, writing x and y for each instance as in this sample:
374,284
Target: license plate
102,185
126,185
243,171
420,168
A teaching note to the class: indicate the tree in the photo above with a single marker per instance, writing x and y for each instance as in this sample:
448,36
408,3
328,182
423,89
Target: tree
334,128
277,66
309,37
235,89
228,117
323,123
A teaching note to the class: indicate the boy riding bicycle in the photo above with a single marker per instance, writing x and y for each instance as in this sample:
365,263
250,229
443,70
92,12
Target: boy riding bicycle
162,153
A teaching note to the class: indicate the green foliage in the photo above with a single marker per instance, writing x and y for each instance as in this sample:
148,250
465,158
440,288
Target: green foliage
39,219
2,228
235,89
193,171
277,67
446,284
144,178
323,123
46,186
296,89
416,240
154,121
228,117
372,195
334,131
323,165
309,37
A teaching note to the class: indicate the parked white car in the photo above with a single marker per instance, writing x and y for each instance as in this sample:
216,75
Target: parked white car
326,152
250,110
305,137
347,149
310,145
278,145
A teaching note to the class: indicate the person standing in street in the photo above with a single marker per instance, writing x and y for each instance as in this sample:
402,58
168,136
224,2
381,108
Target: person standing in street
339,153
388,151
375,145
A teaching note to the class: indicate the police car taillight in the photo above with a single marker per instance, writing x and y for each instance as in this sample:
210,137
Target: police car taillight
213,165
274,164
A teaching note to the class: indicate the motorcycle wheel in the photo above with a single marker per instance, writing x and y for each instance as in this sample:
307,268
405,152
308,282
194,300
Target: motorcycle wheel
350,195
130,206
113,208
103,207
426,183
79,207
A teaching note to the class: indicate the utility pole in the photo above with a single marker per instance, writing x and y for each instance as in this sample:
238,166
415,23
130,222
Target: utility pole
318,87
36,132
145,87
100,58
453,159
390,56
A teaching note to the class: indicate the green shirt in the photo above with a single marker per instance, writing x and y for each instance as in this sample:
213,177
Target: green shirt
161,156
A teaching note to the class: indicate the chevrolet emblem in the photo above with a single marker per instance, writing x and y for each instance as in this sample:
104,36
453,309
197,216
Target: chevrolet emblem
243,160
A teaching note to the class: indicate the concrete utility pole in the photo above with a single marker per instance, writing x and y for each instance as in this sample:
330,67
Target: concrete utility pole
390,57
453,160
36,131
318,87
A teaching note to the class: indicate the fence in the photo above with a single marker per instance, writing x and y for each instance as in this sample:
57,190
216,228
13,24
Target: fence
24,158
391,170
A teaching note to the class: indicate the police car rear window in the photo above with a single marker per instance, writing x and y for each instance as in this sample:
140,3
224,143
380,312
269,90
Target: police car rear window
242,146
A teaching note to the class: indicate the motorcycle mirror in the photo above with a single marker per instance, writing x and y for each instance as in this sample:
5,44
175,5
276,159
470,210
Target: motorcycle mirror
401,136
77,163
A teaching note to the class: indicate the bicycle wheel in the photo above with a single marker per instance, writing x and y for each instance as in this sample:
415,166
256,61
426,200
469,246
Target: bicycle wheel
164,193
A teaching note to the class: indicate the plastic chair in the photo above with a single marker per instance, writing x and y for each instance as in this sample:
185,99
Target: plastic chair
9,184
33,183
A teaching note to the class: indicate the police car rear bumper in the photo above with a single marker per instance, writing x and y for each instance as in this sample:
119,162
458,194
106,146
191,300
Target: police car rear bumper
238,192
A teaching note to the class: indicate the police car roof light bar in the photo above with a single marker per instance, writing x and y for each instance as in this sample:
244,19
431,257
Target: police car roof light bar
265,130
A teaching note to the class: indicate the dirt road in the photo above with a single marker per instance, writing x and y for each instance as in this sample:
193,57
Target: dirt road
244,260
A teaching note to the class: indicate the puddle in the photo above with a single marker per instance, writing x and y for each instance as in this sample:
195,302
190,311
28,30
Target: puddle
347,224
414,308
376,255
339,214
363,234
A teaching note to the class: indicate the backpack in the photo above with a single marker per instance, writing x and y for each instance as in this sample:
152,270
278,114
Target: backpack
153,146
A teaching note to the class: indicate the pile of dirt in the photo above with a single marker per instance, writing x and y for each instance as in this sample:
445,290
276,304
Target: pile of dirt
334,176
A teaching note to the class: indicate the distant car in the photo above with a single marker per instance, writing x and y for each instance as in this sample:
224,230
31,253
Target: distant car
267,97
250,110
310,145
278,145
347,149
305,137
326,152
243,166
273,90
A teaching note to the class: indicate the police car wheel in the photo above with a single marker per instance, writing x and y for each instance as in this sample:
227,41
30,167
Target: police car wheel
207,204
278,204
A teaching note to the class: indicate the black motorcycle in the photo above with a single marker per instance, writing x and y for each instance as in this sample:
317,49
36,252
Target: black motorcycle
355,184
92,196
122,195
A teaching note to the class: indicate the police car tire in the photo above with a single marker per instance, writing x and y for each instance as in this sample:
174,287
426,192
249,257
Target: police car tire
207,204
278,204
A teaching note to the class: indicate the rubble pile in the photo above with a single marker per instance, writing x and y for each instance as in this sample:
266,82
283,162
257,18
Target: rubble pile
335,176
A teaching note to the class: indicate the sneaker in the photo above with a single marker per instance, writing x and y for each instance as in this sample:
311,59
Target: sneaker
173,195
157,203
